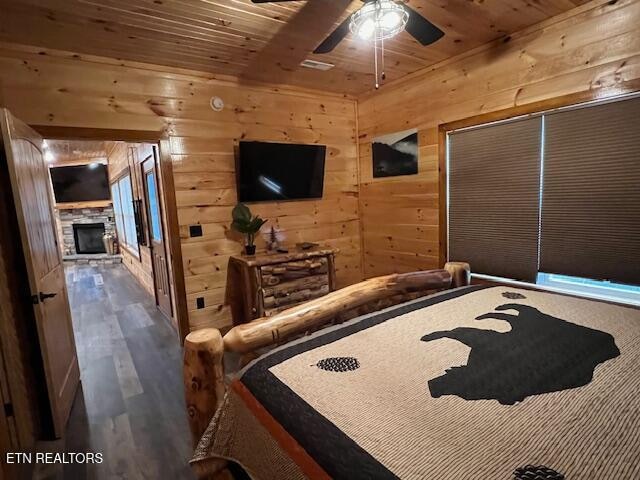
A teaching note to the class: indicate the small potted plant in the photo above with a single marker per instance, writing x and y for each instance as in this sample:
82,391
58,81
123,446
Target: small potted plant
243,222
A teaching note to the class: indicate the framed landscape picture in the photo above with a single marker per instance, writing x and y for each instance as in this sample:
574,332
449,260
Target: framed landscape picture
395,154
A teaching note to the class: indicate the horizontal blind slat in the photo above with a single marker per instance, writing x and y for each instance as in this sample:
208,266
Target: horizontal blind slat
494,176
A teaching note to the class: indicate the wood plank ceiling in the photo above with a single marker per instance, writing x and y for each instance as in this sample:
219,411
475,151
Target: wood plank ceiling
262,42
78,152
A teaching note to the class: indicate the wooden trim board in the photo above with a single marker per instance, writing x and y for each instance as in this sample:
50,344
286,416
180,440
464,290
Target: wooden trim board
175,248
107,134
77,205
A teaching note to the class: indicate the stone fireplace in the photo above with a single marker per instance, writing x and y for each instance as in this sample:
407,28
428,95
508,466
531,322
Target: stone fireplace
88,237
80,232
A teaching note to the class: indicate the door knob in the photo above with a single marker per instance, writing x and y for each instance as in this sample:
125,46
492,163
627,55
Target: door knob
44,296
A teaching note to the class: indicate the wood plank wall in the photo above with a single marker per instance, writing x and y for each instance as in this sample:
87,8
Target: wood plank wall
126,156
45,87
593,47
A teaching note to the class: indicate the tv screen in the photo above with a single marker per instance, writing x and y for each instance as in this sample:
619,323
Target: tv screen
279,171
82,183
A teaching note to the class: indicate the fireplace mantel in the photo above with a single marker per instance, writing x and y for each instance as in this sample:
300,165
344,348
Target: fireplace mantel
79,205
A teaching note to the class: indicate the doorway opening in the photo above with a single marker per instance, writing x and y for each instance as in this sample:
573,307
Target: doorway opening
112,237
63,243
109,210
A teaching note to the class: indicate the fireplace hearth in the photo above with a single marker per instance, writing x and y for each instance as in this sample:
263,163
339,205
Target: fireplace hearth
88,237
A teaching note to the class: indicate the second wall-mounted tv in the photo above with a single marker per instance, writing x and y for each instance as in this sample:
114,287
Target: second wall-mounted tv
279,171
80,183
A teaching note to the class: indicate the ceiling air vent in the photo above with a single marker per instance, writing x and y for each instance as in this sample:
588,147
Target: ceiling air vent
317,65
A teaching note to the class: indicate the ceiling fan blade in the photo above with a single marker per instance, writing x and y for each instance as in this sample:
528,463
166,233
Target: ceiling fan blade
422,29
334,37
272,1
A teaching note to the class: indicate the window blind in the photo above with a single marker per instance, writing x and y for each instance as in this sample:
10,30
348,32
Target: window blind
591,192
117,209
122,197
494,198
126,199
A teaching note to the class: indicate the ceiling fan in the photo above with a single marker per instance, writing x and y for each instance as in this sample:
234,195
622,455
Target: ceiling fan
377,21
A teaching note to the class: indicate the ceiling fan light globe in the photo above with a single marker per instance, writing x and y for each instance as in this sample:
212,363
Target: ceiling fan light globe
390,20
367,29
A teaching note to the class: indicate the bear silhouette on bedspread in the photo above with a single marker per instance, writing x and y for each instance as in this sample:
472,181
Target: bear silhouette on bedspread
540,354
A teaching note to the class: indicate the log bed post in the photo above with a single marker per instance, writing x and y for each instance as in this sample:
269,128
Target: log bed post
203,373
460,273
204,349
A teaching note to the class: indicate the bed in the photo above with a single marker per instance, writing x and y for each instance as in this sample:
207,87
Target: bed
470,382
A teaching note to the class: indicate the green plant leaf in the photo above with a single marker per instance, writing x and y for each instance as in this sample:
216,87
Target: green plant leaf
241,227
256,223
241,213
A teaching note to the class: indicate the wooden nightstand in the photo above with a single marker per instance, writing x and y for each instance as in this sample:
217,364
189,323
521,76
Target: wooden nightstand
266,283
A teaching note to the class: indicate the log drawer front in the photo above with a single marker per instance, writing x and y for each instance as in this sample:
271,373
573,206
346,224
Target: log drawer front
265,284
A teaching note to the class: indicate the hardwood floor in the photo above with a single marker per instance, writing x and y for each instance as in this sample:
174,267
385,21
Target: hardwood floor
130,406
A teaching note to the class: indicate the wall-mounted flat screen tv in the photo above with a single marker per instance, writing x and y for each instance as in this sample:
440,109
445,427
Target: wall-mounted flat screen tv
81,183
279,171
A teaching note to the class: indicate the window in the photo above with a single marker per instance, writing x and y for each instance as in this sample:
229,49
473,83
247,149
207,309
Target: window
122,193
600,289
154,207
117,209
494,180
577,170
590,225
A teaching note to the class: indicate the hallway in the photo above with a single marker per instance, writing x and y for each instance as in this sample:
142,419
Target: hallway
130,406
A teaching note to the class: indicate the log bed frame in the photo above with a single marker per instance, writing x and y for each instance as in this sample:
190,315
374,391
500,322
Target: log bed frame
204,376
